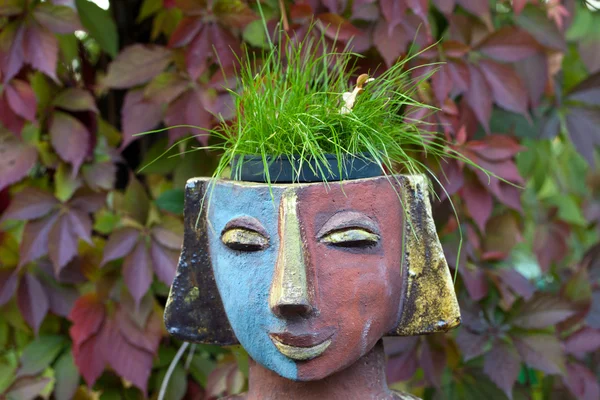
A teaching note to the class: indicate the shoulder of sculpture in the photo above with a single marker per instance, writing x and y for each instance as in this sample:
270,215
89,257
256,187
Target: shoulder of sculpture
404,396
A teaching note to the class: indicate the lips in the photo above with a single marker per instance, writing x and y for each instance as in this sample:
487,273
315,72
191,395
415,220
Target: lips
302,346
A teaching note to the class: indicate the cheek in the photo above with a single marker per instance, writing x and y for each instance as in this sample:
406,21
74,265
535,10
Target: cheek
361,294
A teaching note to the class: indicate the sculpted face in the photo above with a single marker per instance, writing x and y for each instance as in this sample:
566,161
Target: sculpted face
309,276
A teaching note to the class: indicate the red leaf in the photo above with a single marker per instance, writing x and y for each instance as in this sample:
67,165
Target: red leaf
419,7
393,11
130,362
198,54
337,27
35,239
433,362
187,29
76,99
441,82
32,301
479,97
502,365
507,89
550,243
445,6
461,77
455,49
585,340
225,45
30,203
518,6
543,311
137,64
8,285
335,6
471,345
403,366
88,202
81,225
100,176
541,351
70,138
41,49
510,44
138,115
146,339
589,51
582,382
9,119
164,261
476,7
62,244
137,271
120,244
475,282
516,282
535,21
495,147
11,44
87,316
188,109
166,87
89,358
583,125
167,238
587,91
478,202
61,298
390,42
57,18
21,99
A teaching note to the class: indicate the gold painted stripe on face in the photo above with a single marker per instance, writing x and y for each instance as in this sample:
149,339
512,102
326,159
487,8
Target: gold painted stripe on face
289,286
301,353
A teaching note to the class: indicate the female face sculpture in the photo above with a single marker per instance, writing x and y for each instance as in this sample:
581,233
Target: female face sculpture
308,277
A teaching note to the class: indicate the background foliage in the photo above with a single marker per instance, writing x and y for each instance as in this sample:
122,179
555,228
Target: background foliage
88,247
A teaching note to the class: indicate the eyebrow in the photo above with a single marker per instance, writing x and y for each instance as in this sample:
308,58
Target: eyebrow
348,219
245,222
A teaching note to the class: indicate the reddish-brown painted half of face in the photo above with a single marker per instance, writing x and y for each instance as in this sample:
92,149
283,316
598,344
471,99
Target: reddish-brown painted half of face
355,287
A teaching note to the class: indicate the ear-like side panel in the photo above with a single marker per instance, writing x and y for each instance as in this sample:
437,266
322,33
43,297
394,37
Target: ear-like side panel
429,301
194,310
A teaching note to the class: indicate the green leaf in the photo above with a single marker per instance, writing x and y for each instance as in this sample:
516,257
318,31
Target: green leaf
136,201
100,25
66,183
106,221
155,162
149,7
69,47
200,367
254,33
177,386
67,377
8,368
568,209
171,201
582,25
38,354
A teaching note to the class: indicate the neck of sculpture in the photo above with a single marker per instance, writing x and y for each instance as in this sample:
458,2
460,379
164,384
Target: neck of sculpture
365,379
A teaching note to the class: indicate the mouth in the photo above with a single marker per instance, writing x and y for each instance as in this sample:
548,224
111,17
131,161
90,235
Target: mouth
302,347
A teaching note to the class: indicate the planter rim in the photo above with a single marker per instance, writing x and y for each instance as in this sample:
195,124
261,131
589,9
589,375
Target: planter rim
284,169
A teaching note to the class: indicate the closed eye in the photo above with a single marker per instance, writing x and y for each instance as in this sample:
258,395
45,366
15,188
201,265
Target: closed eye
243,239
350,237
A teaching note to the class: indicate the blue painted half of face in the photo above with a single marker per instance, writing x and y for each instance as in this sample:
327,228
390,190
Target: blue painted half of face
244,278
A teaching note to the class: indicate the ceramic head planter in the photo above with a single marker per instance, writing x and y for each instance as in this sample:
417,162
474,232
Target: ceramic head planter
309,277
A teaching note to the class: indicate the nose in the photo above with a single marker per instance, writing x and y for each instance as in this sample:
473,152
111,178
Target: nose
290,296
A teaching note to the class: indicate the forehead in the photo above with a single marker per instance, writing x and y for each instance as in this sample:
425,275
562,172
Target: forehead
374,197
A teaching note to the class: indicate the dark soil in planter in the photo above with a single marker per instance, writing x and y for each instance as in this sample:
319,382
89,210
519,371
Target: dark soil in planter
284,170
